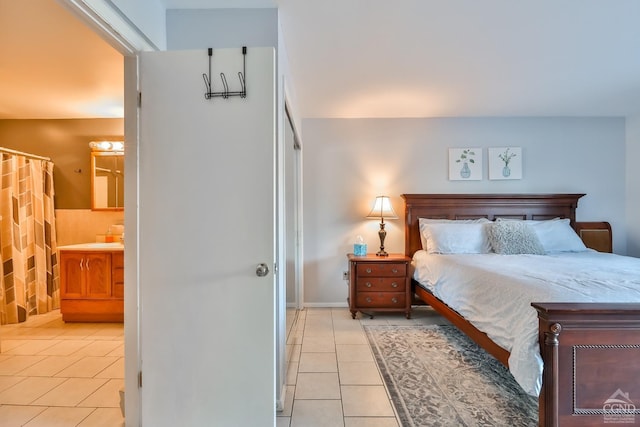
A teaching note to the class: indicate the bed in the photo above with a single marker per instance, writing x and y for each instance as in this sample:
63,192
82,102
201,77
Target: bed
589,351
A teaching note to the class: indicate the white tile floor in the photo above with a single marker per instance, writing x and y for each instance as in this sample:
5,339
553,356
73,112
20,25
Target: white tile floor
56,374
332,378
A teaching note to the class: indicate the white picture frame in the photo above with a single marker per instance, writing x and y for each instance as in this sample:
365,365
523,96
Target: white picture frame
465,164
505,163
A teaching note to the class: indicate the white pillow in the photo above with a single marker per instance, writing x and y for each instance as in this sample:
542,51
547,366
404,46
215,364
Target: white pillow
456,238
422,222
556,235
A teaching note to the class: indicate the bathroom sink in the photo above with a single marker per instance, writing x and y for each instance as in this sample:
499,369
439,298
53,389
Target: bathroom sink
93,246
104,245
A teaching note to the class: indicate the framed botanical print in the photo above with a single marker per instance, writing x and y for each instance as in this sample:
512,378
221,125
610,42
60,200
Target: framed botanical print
465,164
505,163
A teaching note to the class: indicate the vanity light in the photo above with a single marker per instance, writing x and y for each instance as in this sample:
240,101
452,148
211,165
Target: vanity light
382,209
106,145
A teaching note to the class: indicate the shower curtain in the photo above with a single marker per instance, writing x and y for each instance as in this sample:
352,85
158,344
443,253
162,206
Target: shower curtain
29,271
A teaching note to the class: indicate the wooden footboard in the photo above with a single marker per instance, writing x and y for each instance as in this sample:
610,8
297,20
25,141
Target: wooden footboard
591,354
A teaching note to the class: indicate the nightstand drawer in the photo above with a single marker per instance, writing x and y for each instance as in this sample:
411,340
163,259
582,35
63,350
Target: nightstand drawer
385,284
388,269
381,299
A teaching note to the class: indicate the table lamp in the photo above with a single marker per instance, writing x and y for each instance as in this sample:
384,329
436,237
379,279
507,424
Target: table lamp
382,209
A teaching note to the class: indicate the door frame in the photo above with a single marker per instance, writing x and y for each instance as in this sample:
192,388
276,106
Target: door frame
297,201
118,31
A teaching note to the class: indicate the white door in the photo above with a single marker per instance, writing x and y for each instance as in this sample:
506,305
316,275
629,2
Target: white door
206,204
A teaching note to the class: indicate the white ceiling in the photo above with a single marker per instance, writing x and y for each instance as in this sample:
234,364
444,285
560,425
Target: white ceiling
433,58
370,58
53,66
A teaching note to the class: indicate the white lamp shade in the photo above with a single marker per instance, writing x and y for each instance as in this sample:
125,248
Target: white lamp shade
382,209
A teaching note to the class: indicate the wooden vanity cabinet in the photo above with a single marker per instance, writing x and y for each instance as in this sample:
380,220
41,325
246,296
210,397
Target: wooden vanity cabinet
92,286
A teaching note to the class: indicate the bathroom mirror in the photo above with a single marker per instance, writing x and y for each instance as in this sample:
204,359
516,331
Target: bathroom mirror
107,180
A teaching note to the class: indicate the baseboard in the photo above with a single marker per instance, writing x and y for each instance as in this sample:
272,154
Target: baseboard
326,305
280,402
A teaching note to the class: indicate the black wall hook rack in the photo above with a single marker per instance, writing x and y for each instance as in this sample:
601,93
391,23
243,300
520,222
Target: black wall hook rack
226,93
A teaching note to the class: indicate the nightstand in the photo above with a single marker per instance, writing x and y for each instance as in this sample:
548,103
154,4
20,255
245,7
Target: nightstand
379,284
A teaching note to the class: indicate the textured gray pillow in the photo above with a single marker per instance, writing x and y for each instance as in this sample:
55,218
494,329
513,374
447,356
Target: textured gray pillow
514,237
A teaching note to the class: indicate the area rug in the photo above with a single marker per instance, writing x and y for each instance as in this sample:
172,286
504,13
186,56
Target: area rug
436,376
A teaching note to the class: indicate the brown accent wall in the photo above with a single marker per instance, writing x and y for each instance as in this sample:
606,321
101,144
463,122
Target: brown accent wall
66,142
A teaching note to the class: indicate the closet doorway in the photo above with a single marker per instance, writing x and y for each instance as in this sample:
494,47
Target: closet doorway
293,223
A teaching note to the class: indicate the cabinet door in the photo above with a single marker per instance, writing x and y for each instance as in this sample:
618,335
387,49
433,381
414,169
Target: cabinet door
97,271
72,275
117,263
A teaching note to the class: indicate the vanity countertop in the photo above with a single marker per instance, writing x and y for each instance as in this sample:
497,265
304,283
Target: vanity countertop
93,246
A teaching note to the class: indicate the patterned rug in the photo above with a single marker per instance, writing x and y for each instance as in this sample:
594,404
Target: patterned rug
436,376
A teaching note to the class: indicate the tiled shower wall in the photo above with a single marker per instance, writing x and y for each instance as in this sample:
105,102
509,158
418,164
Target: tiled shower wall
84,225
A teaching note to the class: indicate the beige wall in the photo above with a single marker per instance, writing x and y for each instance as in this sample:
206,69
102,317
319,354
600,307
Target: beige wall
66,142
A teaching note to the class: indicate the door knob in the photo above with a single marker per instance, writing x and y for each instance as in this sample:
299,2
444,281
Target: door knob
262,270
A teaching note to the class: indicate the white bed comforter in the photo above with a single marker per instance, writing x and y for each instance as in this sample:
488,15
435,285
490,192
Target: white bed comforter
495,292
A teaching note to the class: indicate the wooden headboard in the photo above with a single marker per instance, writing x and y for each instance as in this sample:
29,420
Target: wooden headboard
490,206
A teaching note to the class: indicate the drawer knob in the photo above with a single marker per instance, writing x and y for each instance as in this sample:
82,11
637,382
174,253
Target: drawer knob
394,285
368,299
368,285
395,270
369,270
394,300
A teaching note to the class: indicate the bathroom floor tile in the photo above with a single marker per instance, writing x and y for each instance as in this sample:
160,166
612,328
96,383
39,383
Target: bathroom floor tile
71,392
18,415
15,364
108,333
28,390
64,348
87,367
60,417
107,396
118,351
49,366
103,417
29,347
101,348
115,370
9,381
8,344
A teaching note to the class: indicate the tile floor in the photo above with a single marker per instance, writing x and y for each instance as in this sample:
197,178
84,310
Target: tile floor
56,374
332,378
